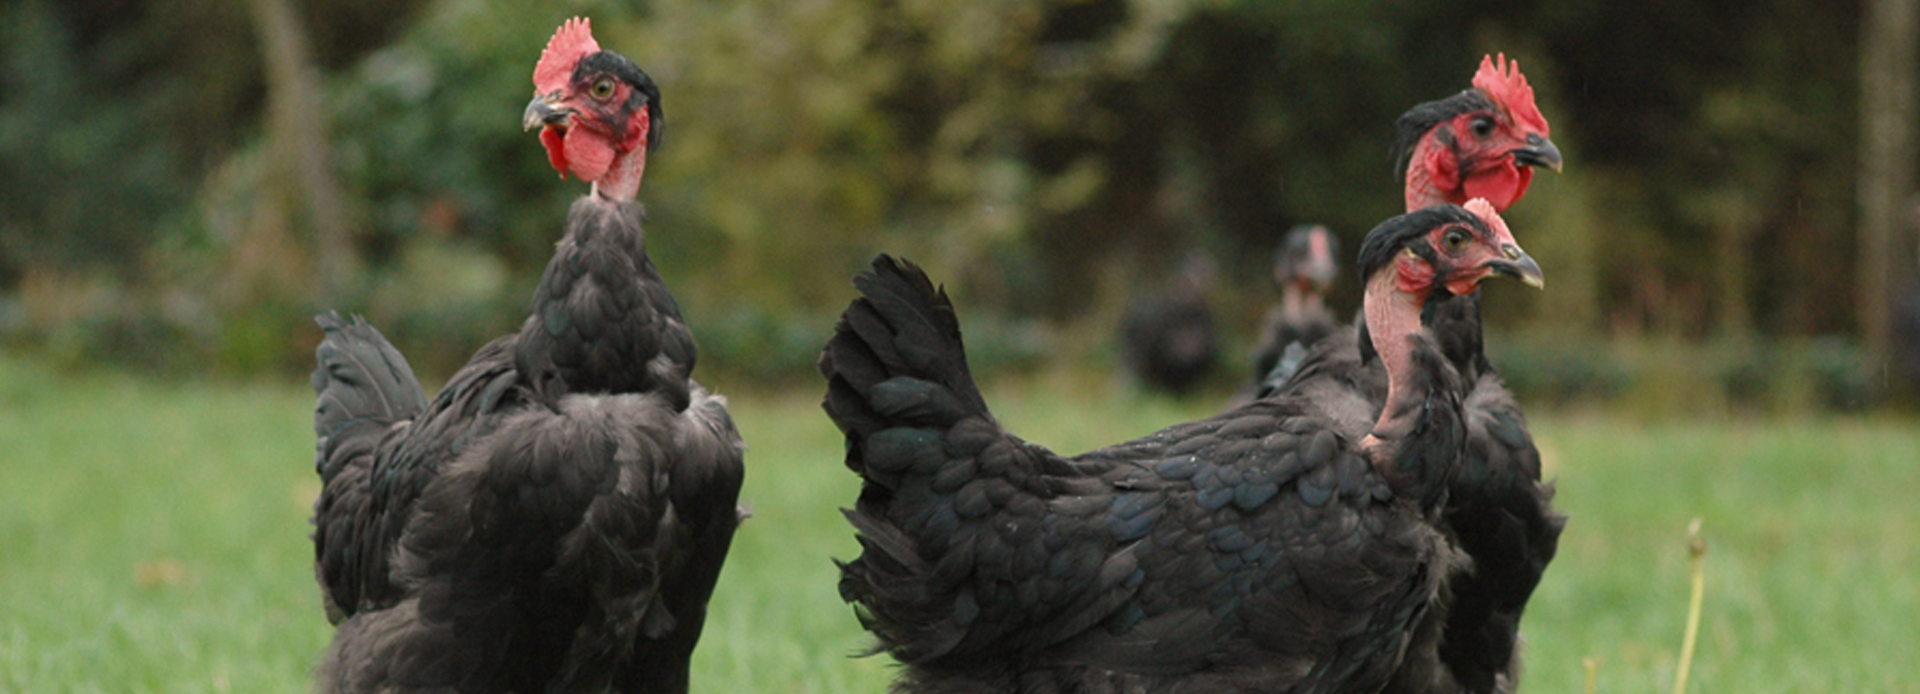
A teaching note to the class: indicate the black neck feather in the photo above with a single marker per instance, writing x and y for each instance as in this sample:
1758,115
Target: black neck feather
602,319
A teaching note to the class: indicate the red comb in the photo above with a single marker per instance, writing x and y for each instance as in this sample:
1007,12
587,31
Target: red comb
1503,83
1485,211
573,41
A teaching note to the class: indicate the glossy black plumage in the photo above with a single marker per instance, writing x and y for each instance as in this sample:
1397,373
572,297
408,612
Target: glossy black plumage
1257,550
1285,342
554,520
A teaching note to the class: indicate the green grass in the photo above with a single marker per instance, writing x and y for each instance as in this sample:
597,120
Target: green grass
153,538
1810,571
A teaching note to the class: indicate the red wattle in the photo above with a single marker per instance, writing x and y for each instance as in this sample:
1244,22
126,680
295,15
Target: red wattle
550,138
1501,185
1463,287
588,155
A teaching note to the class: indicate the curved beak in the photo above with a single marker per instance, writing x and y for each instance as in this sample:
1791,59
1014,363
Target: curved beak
541,111
1517,264
1539,152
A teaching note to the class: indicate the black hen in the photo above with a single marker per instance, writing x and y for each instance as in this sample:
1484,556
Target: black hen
1905,333
1305,268
1167,339
1272,548
553,521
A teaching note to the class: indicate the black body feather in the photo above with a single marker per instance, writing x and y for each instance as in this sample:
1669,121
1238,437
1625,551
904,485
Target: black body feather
1257,550
553,521
1284,345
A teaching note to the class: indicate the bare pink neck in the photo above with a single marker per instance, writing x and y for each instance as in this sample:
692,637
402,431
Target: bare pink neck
1422,190
1297,302
622,180
1394,298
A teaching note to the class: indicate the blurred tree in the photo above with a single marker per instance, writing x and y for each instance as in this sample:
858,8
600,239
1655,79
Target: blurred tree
1886,161
111,111
298,135
1685,109
1044,157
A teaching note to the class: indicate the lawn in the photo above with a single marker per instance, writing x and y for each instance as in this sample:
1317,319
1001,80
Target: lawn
153,538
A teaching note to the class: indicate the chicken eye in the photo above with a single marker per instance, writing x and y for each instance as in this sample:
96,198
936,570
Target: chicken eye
1455,240
602,88
1482,126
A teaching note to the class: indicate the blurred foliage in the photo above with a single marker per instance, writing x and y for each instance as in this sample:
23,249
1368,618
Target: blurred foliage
1663,377
115,110
1046,158
100,106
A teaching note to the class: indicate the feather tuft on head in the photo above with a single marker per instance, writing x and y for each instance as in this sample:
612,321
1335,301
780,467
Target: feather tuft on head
1502,82
572,42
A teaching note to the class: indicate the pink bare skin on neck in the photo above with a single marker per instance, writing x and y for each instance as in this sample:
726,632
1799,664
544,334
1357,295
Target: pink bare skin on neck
622,181
1394,299
1297,299
1430,173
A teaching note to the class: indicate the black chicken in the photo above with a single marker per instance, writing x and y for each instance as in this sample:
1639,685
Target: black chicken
555,520
1305,268
1167,339
1905,334
1481,142
1276,548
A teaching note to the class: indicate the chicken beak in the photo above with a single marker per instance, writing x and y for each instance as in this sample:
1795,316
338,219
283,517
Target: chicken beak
542,112
1517,264
1539,152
